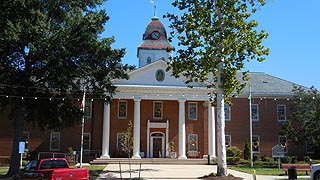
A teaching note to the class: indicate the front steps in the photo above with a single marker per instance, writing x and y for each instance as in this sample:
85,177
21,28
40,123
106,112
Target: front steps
105,161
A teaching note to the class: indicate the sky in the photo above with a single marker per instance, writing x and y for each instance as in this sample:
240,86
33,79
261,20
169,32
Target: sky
293,27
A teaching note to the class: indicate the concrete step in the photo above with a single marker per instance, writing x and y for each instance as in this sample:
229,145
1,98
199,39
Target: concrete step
104,161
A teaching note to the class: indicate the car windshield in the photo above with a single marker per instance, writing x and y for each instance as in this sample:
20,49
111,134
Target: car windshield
50,164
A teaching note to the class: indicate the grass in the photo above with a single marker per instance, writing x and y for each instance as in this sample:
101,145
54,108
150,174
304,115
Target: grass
94,171
265,171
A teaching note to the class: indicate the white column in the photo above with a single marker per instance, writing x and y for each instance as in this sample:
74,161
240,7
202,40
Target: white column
182,130
106,131
136,129
148,139
167,140
211,131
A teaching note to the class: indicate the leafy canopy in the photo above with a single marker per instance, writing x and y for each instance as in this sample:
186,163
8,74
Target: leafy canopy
52,49
303,125
209,32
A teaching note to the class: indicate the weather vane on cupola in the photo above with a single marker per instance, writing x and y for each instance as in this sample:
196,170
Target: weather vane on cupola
154,8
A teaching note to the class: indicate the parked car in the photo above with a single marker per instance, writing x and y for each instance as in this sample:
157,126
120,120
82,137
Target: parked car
315,172
51,169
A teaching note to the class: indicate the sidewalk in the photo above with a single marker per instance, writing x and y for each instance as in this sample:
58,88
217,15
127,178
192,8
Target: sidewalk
158,172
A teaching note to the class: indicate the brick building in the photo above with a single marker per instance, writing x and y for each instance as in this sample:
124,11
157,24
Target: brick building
166,113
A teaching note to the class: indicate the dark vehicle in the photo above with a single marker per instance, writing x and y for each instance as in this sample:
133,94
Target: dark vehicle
52,169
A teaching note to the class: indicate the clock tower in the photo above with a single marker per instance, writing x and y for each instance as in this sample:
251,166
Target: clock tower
155,45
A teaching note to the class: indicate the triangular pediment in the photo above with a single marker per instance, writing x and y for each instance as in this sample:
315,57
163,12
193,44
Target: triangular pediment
154,74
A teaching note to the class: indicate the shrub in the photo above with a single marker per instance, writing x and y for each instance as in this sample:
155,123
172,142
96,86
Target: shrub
286,159
246,151
255,157
233,151
306,159
233,160
294,159
265,158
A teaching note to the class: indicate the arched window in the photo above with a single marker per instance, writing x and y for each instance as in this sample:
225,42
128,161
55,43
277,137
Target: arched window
148,60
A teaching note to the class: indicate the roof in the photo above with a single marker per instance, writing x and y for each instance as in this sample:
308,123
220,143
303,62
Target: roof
150,43
265,85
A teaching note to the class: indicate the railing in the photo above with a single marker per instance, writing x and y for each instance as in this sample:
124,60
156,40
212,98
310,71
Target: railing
42,155
88,155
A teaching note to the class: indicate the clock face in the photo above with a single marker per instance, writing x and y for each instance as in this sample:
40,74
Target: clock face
155,35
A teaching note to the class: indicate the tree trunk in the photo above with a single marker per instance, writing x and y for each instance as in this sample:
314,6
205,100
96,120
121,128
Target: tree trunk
222,157
17,136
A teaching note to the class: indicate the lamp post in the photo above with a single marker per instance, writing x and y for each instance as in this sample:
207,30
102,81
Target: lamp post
250,117
83,107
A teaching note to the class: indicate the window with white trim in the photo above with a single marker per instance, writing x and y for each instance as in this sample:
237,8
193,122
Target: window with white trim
228,140
86,141
255,143
157,109
122,109
281,112
55,141
193,142
192,110
227,112
120,139
255,112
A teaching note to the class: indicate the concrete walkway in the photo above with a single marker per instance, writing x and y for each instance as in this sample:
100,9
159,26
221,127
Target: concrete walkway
158,172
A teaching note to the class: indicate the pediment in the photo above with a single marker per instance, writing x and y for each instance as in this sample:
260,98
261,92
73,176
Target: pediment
154,74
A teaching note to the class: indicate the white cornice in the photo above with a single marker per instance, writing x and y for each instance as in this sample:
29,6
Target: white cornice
162,92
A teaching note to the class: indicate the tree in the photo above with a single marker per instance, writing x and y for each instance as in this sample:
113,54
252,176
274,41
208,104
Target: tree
50,51
127,142
303,125
215,38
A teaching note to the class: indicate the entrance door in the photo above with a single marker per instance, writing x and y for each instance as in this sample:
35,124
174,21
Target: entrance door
157,145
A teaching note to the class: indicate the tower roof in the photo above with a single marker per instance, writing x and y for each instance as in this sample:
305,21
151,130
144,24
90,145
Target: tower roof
155,36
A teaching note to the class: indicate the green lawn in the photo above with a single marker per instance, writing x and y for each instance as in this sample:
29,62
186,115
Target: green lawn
266,171
93,170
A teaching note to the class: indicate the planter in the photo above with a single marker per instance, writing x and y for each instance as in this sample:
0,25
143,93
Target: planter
173,155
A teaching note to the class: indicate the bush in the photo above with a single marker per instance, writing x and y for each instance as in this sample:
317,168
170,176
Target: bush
265,158
233,151
246,151
306,159
286,159
233,160
294,159
255,157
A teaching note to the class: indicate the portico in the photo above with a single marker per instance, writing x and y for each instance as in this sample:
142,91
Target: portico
156,131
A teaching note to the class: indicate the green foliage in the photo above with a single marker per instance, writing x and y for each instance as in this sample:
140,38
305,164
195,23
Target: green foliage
49,52
286,159
265,158
246,151
210,32
233,151
233,160
303,125
306,159
171,145
255,157
52,50
127,140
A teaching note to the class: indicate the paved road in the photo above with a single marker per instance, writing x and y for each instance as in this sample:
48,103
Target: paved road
158,172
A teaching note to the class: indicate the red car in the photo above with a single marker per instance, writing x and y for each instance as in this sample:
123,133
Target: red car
52,169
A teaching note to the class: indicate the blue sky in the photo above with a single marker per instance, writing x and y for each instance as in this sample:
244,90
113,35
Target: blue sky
293,28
